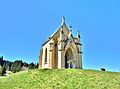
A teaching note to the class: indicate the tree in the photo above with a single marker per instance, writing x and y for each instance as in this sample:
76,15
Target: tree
10,65
0,70
1,61
31,65
4,68
25,64
16,66
36,65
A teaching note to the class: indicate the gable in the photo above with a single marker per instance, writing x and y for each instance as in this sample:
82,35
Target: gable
71,41
56,34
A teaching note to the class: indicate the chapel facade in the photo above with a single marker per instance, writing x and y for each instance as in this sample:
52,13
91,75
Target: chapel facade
61,50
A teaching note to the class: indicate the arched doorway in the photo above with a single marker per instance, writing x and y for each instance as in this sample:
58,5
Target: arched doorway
68,58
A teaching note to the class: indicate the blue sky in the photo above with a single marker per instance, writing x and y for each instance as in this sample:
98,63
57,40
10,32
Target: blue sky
26,24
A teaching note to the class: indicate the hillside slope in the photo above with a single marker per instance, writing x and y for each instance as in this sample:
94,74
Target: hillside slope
61,79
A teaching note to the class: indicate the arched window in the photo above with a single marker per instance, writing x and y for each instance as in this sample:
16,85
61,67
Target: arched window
46,56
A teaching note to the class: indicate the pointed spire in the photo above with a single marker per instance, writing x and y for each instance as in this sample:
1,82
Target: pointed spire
78,34
70,32
70,28
63,20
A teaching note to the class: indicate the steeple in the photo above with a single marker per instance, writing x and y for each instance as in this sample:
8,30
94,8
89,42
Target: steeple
70,32
70,28
63,20
78,35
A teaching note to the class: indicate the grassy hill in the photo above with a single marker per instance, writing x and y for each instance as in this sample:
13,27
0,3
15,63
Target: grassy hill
61,79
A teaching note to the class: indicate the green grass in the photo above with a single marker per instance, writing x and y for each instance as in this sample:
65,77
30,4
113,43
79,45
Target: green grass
61,79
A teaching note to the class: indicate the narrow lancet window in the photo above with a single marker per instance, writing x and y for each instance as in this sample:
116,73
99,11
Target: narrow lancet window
46,56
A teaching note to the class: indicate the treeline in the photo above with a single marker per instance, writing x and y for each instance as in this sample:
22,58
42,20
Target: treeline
16,66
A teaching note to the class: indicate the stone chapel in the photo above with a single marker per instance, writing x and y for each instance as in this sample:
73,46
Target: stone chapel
62,50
